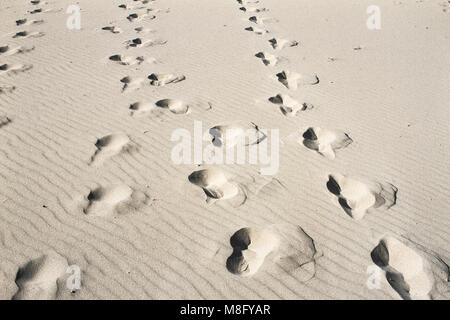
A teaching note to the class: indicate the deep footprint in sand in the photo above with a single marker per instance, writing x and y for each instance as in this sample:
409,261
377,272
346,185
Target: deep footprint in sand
289,106
112,200
236,134
4,121
127,7
262,20
27,22
38,279
112,29
267,58
278,43
162,79
173,105
125,60
289,248
292,80
407,272
131,84
26,34
111,145
40,10
143,30
252,9
356,197
325,142
14,69
7,51
247,1
258,31
138,17
141,42
214,183
140,108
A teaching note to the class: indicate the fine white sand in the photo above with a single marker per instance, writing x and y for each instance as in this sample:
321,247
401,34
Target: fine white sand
87,179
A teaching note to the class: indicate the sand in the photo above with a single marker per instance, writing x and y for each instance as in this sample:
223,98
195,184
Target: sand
358,207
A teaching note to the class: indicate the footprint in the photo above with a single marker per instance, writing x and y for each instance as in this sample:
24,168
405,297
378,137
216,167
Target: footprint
138,7
231,135
267,58
126,61
288,105
139,108
131,84
214,183
174,106
4,121
109,146
143,30
279,44
160,79
112,29
27,22
292,80
5,50
252,9
250,248
5,88
140,42
356,197
258,31
114,199
288,247
407,272
247,1
138,17
38,279
262,20
325,142
26,34
34,11
14,69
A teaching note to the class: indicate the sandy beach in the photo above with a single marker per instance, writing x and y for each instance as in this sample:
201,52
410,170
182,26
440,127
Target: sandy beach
116,118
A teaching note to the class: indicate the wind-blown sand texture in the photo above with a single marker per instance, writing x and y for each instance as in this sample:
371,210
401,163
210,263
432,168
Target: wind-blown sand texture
87,179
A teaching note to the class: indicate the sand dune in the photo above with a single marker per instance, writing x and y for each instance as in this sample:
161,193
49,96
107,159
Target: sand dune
87,118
